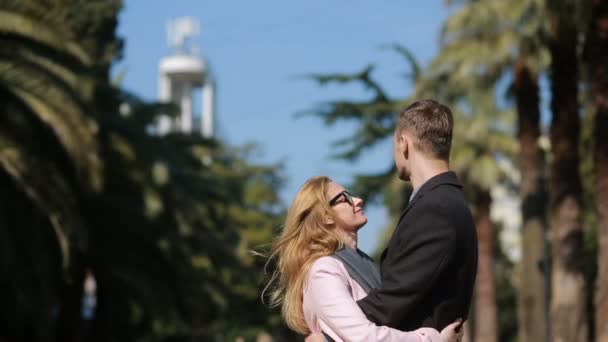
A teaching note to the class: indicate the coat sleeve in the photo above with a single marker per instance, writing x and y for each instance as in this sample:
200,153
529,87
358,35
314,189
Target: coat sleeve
330,296
410,269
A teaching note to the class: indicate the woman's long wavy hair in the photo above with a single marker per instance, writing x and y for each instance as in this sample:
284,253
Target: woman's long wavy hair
305,238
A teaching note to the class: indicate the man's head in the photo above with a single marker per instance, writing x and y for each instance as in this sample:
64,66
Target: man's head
423,133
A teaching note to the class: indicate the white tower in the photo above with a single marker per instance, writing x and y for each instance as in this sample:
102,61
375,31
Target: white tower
180,75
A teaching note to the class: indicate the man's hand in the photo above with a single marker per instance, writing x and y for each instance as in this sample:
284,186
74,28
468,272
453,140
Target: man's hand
453,332
316,337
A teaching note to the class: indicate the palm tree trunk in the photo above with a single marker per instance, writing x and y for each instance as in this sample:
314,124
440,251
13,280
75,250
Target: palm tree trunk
532,302
486,328
596,56
601,178
568,301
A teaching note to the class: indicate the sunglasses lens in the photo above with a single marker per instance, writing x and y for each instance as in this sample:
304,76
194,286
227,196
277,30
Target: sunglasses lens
347,198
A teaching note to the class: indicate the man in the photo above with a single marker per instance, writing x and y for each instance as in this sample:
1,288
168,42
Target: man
428,268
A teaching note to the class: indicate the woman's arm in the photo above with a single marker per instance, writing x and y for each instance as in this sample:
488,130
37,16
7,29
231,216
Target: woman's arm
329,295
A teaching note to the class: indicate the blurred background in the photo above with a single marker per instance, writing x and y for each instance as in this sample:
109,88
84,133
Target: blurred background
147,148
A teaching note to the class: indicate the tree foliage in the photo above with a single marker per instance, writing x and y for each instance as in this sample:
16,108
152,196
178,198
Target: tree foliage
163,224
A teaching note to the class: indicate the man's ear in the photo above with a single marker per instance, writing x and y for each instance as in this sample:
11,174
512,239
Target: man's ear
404,145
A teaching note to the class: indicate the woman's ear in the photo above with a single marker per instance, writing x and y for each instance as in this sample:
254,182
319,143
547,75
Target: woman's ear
328,219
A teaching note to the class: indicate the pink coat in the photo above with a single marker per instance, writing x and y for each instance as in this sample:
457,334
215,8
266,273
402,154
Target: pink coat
330,296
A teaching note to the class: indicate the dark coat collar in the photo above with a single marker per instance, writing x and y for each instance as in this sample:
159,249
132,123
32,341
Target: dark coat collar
448,178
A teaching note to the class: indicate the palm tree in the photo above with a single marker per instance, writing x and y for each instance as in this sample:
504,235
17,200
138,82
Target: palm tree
568,305
486,319
596,57
87,191
479,144
41,75
533,297
49,149
504,39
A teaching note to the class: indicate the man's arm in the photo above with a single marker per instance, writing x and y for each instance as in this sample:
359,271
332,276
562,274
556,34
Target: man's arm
329,293
411,269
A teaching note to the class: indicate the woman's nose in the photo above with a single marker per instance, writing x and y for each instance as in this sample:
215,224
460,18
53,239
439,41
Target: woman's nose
359,202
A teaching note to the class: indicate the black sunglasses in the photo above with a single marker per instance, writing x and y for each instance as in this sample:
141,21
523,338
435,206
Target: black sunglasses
348,198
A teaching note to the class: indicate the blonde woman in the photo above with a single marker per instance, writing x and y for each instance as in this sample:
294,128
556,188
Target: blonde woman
316,292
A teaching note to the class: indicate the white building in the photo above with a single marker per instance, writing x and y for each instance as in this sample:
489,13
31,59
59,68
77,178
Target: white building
180,76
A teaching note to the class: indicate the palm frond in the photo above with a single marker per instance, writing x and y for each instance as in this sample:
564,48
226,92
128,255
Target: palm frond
61,112
45,186
23,27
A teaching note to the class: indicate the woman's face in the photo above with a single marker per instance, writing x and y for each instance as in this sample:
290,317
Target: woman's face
347,211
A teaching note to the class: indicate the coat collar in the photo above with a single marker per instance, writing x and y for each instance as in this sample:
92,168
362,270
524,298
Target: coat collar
448,178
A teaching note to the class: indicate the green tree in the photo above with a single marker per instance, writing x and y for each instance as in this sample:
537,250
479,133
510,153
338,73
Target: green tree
376,119
596,57
161,223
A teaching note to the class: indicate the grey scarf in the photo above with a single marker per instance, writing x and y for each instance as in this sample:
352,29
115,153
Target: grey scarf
360,267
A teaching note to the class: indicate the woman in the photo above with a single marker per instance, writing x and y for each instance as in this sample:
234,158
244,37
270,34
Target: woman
314,289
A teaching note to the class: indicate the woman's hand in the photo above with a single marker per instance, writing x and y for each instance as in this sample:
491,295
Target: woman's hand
453,332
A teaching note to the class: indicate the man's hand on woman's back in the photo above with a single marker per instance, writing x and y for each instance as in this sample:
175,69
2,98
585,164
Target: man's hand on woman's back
453,332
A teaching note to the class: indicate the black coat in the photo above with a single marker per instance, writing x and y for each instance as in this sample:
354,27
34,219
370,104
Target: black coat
428,269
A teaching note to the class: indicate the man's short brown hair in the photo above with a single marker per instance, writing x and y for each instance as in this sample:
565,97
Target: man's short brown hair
431,124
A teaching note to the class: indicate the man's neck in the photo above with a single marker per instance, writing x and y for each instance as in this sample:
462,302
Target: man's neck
425,170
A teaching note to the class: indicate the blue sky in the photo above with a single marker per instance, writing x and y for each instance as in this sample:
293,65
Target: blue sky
258,51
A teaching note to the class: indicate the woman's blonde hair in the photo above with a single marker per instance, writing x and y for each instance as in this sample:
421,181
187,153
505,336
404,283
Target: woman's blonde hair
305,238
